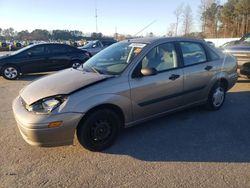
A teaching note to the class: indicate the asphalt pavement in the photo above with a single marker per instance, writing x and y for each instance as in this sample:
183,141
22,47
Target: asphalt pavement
191,148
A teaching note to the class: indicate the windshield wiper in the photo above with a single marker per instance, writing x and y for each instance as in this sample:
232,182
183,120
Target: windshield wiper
95,70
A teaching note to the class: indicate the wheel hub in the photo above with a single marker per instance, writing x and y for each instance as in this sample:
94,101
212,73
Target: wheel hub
101,130
218,96
76,65
10,72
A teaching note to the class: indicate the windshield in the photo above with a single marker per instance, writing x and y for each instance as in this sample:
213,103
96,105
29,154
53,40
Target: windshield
245,40
22,49
114,59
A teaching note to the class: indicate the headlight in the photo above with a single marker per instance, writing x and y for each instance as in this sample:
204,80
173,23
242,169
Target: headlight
46,105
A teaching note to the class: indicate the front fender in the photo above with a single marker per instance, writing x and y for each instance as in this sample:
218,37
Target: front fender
83,105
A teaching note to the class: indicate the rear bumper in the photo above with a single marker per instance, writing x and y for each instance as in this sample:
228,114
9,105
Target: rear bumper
34,128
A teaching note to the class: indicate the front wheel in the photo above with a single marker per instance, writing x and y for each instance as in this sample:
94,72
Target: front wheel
10,72
76,64
216,96
99,129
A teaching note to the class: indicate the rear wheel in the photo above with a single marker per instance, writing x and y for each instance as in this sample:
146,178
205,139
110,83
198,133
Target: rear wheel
216,96
10,72
99,129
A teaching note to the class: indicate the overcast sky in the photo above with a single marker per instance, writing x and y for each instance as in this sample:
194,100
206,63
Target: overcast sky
128,16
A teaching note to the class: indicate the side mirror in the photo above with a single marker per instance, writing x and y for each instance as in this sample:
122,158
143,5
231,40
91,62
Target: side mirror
29,54
148,71
94,45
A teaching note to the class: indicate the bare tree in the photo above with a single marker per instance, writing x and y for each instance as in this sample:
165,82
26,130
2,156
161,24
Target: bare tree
187,18
243,9
205,4
177,13
171,30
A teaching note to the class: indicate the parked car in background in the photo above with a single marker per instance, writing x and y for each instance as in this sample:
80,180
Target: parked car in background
40,58
4,46
127,83
16,46
241,50
96,46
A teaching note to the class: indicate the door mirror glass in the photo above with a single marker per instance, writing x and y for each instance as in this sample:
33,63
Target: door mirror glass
147,71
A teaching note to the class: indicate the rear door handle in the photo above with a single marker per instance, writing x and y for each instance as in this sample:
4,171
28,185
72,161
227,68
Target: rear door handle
174,77
208,67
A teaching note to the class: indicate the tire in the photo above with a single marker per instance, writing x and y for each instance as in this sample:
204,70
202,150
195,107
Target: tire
99,129
10,72
248,77
216,96
75,64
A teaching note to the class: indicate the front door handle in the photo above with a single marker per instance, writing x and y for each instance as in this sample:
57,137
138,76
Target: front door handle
174,77
208,67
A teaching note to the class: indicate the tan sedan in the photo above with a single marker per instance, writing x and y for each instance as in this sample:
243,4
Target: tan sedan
127,83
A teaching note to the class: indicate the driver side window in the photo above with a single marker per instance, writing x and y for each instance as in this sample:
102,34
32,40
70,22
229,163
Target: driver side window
162,57
37,50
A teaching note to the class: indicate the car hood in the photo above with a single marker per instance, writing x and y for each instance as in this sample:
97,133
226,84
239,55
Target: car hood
63,82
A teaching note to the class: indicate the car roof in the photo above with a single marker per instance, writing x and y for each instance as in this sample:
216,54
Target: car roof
150,40
49,43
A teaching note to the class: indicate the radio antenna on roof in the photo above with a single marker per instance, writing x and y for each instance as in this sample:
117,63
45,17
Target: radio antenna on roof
151,23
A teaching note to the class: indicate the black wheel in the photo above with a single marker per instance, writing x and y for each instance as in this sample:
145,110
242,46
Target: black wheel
216,96
76,64
99,129
10,72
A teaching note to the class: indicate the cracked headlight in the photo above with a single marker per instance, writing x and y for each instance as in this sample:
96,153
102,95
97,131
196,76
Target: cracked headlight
46,105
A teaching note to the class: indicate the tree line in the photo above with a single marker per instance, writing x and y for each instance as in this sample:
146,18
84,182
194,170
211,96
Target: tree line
231,19
43,35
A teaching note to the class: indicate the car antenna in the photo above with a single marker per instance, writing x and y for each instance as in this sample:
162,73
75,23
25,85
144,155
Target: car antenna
151,23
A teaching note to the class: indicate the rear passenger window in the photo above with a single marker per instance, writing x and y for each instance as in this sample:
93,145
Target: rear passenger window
57,49
193,53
